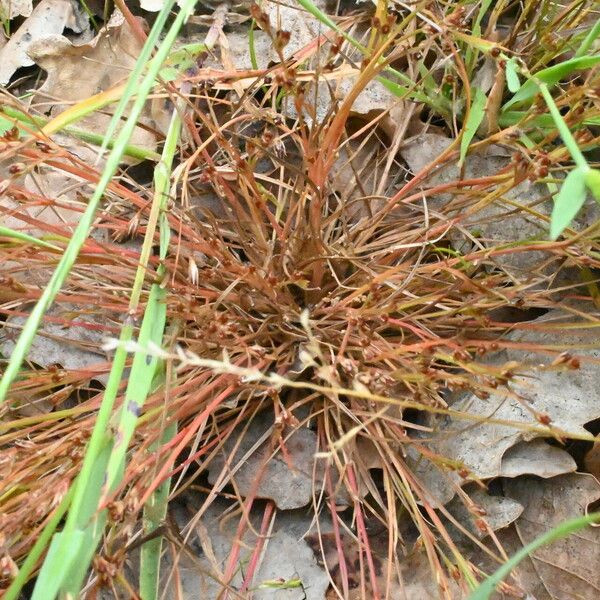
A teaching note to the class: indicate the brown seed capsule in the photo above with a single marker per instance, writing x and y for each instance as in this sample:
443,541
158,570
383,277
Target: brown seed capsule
16,168
544,419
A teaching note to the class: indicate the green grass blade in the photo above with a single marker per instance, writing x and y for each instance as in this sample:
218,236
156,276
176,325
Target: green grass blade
485,5
550,76
569,200
81,232
50,581
512,76
141,378
252,45
10,117
488,587
65,564
471,53
563,129
589,39
144,368
89,482
155,511
29,239
14,590
134,77
592,182
476,114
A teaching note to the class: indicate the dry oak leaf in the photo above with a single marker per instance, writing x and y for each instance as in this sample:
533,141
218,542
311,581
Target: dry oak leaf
78,72
568,397
49,17
9,9
285,554
287,476
567,568
499,511
73,347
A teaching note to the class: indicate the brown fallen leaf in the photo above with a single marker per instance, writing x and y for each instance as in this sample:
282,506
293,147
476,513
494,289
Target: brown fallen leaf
568,397
567,568
78,72
73,347
285,555
497,512
508,218
48,17
536,458
592,461
287,478
9,9
355,176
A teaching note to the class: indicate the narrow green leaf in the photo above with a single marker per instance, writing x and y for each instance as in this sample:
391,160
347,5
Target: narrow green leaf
484,7
86,520
488,587
49,581
11,117
154,514
142,374
592,181
512,76
476,114
589,39
25,570
28,239
565,133
568,201
135,77
181,61
550,76
252,45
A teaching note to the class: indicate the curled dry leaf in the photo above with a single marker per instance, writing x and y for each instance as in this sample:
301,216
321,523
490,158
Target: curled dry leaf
9,9
567,568
283,464
355,178
498,512
78,72
49,17
536,458
568,397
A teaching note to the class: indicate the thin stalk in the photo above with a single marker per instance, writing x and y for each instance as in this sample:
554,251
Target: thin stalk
589,39
29,239
81,134
563,129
